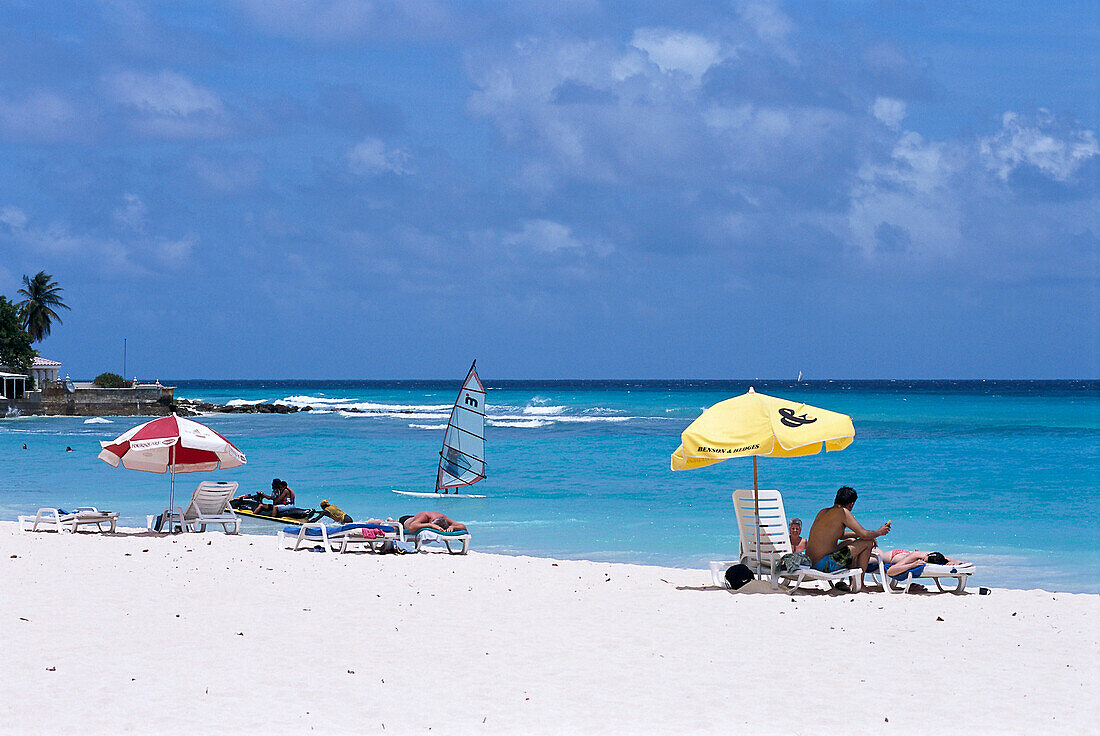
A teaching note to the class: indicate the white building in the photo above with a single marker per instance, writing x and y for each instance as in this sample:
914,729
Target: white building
43,369
12,385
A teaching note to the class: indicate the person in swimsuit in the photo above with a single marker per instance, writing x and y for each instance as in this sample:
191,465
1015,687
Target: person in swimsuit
430,520
900,561
837,541
798,542
282,498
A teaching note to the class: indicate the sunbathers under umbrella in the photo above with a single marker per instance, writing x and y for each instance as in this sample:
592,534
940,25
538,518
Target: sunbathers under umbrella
755,424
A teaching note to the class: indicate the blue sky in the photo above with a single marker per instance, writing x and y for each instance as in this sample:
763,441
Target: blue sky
576,189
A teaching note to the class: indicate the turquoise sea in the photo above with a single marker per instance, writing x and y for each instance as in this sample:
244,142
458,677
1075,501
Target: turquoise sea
1003,473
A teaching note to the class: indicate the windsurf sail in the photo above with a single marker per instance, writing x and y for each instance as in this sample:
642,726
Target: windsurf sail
462,459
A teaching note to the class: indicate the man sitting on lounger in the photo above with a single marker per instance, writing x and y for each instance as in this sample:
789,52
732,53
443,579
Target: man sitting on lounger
837,541
430,520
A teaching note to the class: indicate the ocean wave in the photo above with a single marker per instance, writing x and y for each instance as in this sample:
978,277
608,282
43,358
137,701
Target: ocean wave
245,402
311,401
98,420
518,422
429,426
543,410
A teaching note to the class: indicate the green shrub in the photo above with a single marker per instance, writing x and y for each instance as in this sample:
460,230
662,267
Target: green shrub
110,380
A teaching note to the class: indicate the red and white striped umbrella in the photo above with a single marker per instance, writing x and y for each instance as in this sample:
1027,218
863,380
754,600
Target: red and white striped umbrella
173,444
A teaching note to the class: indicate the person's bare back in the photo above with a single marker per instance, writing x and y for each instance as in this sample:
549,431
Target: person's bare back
825,533
828,538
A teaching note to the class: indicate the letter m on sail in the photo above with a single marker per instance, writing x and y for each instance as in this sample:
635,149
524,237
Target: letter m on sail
471,401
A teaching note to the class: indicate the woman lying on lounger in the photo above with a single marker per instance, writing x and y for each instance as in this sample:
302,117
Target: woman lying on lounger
900,561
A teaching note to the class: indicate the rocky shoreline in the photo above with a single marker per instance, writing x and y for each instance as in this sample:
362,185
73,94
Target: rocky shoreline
193,408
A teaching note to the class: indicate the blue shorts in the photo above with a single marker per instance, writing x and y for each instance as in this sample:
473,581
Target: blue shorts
839,560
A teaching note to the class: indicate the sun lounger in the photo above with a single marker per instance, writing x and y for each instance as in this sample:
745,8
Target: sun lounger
775,542
210,505
895,583
59,520
445,539
341,538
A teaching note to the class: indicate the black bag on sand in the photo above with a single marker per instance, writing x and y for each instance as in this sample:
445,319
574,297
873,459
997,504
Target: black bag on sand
737,576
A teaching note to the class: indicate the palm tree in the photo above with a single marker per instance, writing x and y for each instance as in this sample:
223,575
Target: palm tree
43,295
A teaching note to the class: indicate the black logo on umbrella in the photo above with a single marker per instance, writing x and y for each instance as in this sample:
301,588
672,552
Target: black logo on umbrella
789,418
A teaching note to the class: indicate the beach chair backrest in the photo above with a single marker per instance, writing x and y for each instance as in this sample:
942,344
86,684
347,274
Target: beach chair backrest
775,539
212,496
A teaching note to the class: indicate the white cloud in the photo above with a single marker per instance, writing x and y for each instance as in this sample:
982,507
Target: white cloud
678,50
131,215
166,93
372,157
909,202
1037,144
343,20
771,25
167,105
888,111
174,252
547,236
39,116
13,217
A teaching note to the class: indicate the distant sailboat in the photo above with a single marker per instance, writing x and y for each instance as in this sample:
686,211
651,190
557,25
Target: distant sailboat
799,377
462,458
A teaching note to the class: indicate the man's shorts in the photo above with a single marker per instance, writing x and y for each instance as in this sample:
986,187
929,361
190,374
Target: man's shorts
839,560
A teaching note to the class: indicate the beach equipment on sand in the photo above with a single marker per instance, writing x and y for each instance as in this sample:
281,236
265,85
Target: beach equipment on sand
341,538
762,528
462,458
759,425
59,520
210,505
171,444
960,573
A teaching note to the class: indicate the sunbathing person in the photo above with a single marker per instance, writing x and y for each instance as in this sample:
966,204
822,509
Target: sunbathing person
798,542
900,561
837,541
430,520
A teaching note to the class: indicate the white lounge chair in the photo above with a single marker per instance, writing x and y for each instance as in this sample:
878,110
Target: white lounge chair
444,539
901,583
774,543
210,505
51,519
341,538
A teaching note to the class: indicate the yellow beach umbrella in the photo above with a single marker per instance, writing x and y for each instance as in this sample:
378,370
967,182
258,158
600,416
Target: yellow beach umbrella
758,425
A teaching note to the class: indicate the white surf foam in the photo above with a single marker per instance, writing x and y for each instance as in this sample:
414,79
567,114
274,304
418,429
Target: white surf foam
245,402
98,420
518,422
543,410
429,426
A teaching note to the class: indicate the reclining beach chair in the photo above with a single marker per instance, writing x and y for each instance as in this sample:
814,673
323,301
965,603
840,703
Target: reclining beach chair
59,520
210,505
444,539
341,538
901,583
774,542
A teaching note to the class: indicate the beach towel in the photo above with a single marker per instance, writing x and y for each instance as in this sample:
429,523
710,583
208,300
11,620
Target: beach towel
793,561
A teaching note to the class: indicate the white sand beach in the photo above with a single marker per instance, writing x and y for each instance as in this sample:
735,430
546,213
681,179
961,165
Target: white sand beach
210,633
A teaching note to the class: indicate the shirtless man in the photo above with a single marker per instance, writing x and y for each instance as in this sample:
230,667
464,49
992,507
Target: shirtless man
431,520
830,547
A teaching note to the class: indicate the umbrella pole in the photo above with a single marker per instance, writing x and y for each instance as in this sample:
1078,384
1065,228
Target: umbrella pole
756,507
